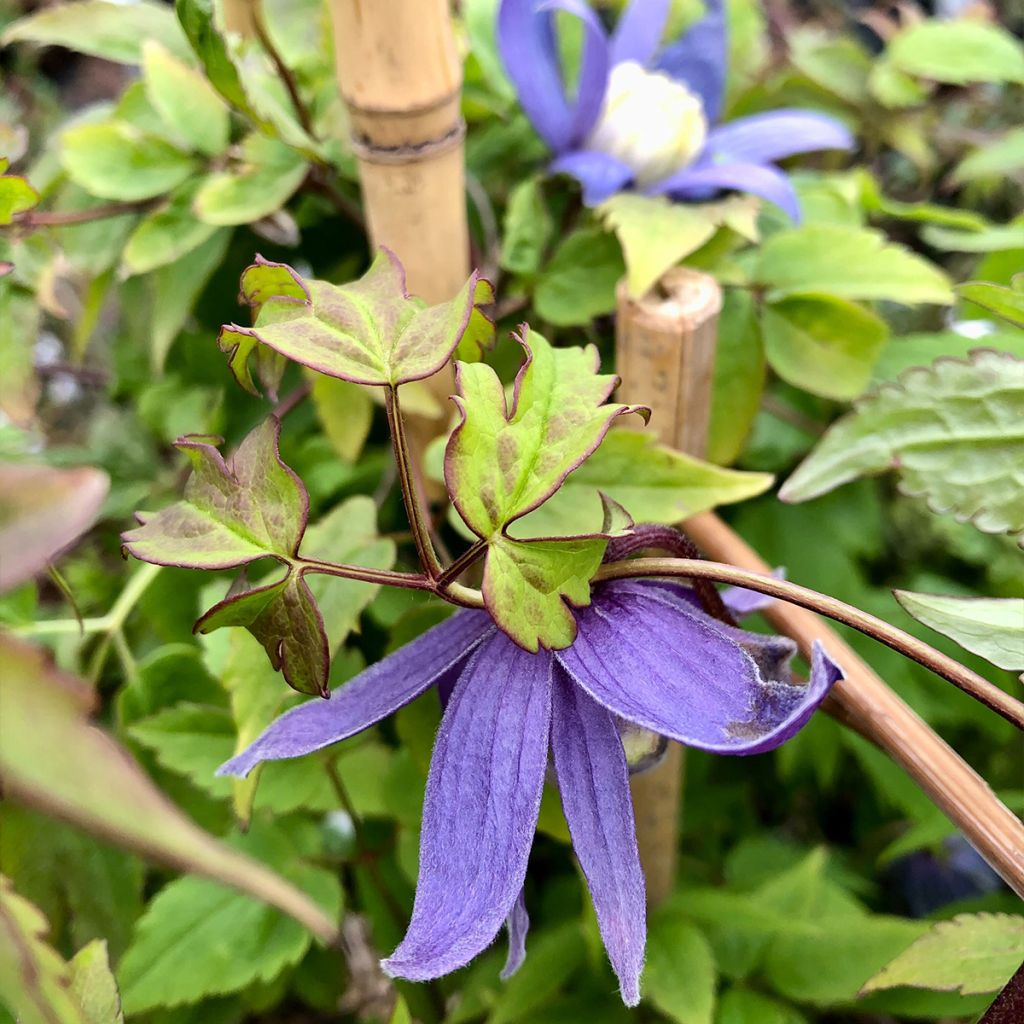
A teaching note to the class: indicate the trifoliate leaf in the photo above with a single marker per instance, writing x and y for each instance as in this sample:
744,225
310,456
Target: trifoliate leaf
953,430
970,954
93,985
851,262
16,195
369,332
990,626
501,462
1006,303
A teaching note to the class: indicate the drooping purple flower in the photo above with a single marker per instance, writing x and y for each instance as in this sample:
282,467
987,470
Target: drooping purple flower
647,119
646,655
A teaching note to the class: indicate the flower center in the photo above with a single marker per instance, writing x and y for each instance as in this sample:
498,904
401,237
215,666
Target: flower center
650,122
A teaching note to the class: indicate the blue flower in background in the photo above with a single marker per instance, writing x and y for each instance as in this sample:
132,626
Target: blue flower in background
645,118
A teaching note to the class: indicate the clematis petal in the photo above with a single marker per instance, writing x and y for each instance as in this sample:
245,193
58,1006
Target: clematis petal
480,811
518,924
742,602
764,138
594,783
372,695
638,31
651,658
600,175
700,181
526,42
699,59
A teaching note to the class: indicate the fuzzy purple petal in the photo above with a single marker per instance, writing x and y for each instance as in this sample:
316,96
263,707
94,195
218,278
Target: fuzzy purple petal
518,924
699,59
703,180
480,810
638,31
653,659
742,602
371,696
593,780
600,175
765,138
528,50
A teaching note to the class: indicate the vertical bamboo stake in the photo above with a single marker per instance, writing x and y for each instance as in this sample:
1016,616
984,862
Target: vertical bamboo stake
665,354
238,17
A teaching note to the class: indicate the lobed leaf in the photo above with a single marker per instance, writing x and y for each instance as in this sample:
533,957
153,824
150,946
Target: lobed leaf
954,431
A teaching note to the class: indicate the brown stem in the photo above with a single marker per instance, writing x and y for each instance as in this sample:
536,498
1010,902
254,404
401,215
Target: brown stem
291,400
63,218
468,557
283,71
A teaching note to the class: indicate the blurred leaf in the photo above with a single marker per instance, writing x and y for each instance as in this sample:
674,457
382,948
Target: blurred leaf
854,263
679,976
953,432
42,511
114,160
345,412
739,1006
578,282
199,939
909,350
825,345
893,87
990,626
196,19
957,51
113,31
169,232
990,238
996,159
93,986
34,980
1006,303
84,769
16,195
528,228
185,100
972,953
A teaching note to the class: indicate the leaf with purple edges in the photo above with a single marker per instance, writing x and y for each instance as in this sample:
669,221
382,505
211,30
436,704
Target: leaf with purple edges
370,331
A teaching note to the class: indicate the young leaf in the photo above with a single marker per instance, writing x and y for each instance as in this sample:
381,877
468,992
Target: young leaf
368,332
953,430
16,194
1006,303
196,19
93,985
970,954
990,626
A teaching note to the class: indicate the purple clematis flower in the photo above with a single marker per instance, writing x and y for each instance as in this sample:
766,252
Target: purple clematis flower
645,118
645,655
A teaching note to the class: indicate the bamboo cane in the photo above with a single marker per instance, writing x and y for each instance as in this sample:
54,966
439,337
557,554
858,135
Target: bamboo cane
239,16
665,352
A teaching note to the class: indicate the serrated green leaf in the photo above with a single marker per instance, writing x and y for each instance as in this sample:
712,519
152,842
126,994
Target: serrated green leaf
850,262
93,986
954,431
185,100
578,282
957,51
199,939
972,953
34,980
263,179
680,975
113,31
16,195
114,160
655,233
652,482
823,344
990,626
367,332
1006,303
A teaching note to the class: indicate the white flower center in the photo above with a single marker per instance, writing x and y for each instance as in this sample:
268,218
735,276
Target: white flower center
650,122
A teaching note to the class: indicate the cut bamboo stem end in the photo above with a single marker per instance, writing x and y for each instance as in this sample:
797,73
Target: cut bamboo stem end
865,703
665,355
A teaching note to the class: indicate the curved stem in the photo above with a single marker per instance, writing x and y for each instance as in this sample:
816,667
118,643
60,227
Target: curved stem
959,675
382,577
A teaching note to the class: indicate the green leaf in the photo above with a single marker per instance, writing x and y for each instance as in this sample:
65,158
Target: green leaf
652,482
970,954
42,510
196,19
954,431
93,986
909,350
34,980
528,228
578,282
16,195
46,710
263,179
113,31
990,626
996,159
345,412
854,263
169,232
957,51
367,332
825,345
199,939
680,976
656,233
739,1006
115,160
185,100
987,238
1006,303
